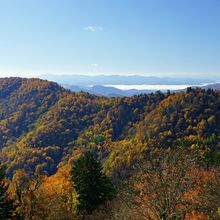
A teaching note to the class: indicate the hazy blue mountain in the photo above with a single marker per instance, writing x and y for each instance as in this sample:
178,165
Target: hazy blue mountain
107,91
97,84
81,80
215,86
110,91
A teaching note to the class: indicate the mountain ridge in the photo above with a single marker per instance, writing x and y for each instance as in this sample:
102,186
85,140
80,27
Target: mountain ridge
110,91
82,80
43,124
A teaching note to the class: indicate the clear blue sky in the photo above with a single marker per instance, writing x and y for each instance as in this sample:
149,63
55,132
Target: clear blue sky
152,37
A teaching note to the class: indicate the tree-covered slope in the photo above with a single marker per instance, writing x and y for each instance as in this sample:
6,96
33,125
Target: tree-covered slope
42,124
22,102
188,119
183,119
39,119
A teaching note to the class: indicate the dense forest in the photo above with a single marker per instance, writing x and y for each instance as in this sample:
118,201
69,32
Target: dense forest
139,145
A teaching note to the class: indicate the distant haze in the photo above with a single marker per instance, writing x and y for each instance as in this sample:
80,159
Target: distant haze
153,87
123,80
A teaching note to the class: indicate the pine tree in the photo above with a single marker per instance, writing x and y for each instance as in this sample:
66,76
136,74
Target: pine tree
92,186
7,204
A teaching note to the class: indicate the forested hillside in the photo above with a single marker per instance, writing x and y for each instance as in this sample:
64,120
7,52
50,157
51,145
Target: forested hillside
42,123
187,119
44,128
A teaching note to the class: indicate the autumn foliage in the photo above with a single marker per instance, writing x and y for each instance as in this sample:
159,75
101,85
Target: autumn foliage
44,130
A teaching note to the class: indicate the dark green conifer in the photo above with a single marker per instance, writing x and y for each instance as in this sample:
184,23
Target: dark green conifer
91,184
7,203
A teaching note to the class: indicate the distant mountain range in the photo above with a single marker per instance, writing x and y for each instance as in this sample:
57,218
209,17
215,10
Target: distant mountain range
83,80
110,91
98,85
215,86
107,91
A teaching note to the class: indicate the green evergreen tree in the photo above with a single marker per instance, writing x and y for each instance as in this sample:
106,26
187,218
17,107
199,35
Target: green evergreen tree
91,184
7,203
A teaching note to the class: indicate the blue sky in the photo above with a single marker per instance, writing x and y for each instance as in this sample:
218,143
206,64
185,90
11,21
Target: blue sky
147,37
